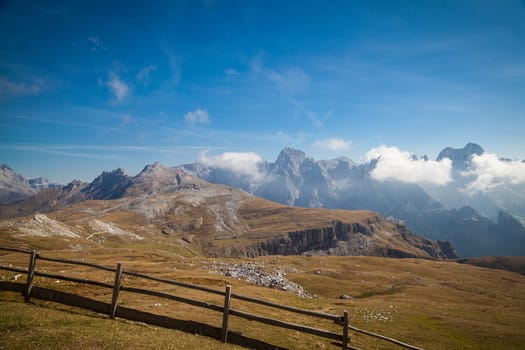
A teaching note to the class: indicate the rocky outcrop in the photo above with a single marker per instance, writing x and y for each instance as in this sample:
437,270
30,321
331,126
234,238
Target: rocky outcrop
375,237
259,275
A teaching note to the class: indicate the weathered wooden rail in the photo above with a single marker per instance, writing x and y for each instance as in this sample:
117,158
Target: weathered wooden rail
114,310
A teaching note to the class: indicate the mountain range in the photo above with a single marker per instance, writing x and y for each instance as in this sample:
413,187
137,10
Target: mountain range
481,223
477,223
170,207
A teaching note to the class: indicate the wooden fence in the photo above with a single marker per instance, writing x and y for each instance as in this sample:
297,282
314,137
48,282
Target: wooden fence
113,309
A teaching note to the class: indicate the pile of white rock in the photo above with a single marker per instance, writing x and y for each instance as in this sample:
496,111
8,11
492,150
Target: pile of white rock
257,274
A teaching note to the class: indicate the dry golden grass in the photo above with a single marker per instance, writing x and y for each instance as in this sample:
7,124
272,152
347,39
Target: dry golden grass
431,304
265,217
43,325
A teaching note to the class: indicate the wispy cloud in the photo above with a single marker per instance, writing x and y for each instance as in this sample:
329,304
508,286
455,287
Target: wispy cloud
48,11
58,151
395,164
198,116
144,75
111,152
174,65
10,88
118,87
231,73
67,123
316,121
334,144
96,44
289,83
491,172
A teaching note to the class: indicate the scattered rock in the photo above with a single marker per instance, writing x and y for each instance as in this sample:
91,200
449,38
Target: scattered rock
256,274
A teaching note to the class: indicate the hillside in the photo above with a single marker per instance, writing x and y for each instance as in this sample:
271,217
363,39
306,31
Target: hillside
430,304
167,206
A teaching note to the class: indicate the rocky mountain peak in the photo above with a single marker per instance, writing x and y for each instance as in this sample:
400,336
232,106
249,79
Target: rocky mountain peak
108,185
13,186
460,157
74,185
337,163
290,157
9,174
151,167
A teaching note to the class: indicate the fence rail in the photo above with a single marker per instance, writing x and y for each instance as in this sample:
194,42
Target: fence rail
225,335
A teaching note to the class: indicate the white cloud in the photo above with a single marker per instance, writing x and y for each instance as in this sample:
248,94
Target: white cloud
491,172
242,163
198,116
118,87
144,75
334,144
394,164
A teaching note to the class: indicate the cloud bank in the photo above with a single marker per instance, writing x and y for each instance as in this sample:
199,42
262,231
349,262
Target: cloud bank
198,116
334,144
242,163
395,164
491,172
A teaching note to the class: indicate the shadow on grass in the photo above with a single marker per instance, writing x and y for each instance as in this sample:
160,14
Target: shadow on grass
136,315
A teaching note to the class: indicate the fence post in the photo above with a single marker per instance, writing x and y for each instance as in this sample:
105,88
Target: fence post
225,316
30,275
116,290
345,330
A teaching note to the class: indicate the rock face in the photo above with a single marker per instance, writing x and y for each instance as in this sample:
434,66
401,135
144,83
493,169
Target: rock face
460,157
347,239
108,185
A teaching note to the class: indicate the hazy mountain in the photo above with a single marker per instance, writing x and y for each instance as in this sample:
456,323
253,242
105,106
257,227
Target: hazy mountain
507,197
441,212
15,187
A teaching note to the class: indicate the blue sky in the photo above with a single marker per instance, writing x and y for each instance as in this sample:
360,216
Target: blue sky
87,86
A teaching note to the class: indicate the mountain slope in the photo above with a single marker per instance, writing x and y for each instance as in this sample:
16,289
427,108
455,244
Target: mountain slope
169,206
15,187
